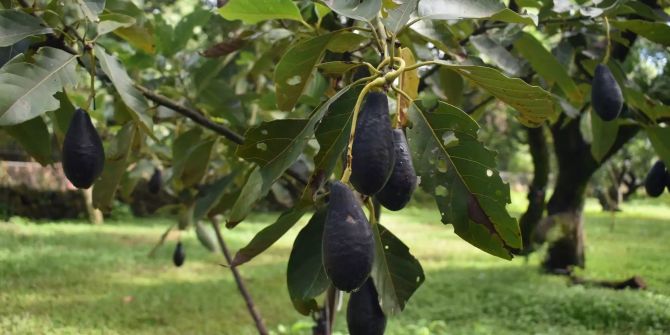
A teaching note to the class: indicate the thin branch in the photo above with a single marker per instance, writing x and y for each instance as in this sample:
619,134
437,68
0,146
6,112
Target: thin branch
260,325
192,114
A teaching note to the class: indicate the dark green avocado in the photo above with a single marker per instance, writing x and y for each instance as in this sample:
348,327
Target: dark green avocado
399,188
606,96
364,315
155,182
656,179
179,255
372,151
83,154
348,244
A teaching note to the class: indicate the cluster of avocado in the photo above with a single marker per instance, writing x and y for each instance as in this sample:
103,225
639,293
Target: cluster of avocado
381,167
606,96
83,154
657,179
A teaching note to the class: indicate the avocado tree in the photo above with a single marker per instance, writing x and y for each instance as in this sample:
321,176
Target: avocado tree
377,97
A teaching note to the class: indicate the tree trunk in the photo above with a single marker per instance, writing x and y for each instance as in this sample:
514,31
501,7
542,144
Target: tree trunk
539,150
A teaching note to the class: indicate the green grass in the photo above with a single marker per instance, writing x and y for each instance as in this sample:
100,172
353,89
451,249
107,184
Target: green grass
73,278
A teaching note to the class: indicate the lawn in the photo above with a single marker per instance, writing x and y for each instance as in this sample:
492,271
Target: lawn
73,278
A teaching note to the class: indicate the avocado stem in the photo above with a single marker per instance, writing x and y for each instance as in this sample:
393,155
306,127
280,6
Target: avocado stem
609,41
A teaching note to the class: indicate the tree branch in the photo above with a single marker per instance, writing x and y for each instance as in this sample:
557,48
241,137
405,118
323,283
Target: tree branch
260,325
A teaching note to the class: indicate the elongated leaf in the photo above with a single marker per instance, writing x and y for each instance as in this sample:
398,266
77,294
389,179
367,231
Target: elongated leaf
396,273
116,163
658,32
270,234
471,9
306,277
498,55
34,137
534,104
660,139
111,22
338,67
461,175
28,88
356,9
400,15
210,196
124,86
206,236
181,149
91,8
603,136
547,66
295,67
252,12
16,25
197,163
274,146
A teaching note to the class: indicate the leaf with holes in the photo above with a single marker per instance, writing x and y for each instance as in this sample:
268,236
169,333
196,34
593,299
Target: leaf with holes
305,275
535,105
16,25
461,175
28,88
396,272
274,146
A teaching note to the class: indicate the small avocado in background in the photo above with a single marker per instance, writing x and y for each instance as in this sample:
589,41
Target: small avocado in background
83,154
606,96
155,182
348,243
399,188
179,255
364,315
656,179
372,152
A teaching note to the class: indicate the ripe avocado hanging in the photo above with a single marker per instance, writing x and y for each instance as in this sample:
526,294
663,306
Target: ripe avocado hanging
656,179
155,182
606,96
179,255
83,154
348,244
364,315
399,188
372,152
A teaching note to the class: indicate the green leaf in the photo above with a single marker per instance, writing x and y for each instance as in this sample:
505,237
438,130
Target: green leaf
396,272
110,22
274,146
498,55
452,86
295,67
28,88
116,163
61,117
195,166
547,66
210,196
206,236
337,67
177,38
461,175
16,25
346,41
471,9
126,89
356,9
306,277
400,15
534,104
660,140
604,136
270,234
658,32
181,149
34,137
252,12
91,8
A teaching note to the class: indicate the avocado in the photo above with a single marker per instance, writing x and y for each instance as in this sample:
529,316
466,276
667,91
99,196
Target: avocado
83,154
348,244
372,153
364,315
656,179
606,96
399,188
155,182
178,256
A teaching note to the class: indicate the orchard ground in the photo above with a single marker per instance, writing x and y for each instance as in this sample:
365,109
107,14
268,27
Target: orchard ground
74,278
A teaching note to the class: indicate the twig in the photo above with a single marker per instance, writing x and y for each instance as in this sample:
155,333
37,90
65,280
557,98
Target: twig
262,330
160,242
